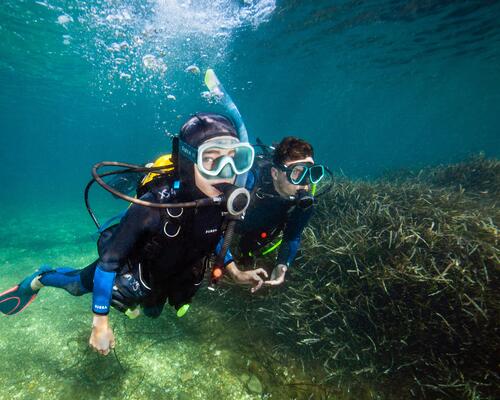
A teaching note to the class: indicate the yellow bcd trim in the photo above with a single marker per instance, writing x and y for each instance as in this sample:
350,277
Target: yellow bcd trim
162,161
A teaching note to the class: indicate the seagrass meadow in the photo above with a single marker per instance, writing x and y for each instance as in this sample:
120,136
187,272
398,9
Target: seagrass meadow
396,292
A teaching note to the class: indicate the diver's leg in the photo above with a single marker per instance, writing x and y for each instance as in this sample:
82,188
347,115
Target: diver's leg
126,289
76,282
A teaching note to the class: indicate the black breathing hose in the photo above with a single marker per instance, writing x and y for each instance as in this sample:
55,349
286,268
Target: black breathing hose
136,168
228,237
209,201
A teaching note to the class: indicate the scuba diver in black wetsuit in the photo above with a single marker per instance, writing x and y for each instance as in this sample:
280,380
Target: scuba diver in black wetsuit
282,186
155,255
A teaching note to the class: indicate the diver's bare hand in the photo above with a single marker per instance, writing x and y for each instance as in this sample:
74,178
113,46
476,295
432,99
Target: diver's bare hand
252,277
277,276
102,338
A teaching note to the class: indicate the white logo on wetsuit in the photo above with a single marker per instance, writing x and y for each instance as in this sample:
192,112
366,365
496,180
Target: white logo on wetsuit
164,194
211,230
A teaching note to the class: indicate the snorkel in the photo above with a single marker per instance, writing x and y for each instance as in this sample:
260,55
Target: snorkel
213,84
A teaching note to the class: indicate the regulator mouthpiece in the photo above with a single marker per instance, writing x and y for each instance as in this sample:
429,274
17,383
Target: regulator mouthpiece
236,198
303,199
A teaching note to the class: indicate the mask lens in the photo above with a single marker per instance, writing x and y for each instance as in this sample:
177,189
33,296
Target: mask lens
316,172
221,156
243,158
210,159
298,174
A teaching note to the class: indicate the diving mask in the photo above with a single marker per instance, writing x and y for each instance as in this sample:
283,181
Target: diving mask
220,157
303,173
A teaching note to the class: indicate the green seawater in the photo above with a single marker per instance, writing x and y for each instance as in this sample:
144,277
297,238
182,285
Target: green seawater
374,86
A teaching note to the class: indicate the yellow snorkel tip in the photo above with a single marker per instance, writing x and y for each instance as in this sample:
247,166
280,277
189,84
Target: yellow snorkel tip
211,80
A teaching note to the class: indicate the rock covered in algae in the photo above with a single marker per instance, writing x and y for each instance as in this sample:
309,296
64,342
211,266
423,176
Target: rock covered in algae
254,385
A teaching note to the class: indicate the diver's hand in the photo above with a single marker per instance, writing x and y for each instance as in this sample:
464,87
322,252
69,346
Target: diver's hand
277,276
102,338
252,277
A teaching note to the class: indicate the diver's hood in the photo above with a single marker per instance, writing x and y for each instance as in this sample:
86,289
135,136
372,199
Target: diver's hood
205,126
189,190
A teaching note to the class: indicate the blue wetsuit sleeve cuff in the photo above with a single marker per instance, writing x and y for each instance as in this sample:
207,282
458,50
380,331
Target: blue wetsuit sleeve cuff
103,290
288,251
228,258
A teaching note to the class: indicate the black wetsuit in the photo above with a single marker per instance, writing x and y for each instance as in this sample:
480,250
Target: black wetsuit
152,255
268,216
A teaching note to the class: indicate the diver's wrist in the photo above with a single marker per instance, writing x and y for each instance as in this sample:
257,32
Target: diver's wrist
100,321
232,269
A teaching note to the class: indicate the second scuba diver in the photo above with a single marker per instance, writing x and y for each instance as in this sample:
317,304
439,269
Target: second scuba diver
155,255
282,184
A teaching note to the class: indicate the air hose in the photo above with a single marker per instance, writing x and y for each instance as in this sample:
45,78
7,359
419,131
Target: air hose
209,201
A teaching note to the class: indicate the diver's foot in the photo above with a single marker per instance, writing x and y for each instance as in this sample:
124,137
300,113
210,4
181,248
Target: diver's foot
32,282
19,297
